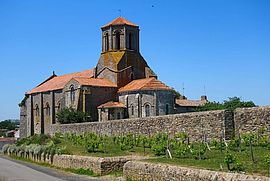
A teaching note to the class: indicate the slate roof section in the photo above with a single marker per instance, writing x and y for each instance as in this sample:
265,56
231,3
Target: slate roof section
144,84
190,103
97,82
111,105
120,21
58,82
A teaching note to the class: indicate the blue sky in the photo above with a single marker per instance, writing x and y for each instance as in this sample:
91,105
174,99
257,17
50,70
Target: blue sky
223,45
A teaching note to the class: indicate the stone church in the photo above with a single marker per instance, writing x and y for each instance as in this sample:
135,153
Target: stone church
122,85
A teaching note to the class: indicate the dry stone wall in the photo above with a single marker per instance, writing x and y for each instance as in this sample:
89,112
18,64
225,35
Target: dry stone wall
251,119
100,166
136,170
210,124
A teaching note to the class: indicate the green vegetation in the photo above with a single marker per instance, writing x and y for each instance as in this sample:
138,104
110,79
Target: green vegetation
231,104
70,115
9,124
247,153
176,93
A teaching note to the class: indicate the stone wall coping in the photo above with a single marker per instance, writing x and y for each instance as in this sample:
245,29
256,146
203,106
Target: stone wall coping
252,108
196,173
142,118
104,159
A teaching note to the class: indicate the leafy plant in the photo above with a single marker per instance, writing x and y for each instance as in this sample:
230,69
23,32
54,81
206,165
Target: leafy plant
229,159
70,115
159,144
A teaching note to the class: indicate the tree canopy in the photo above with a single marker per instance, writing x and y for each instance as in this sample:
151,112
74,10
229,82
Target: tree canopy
231,104
9,124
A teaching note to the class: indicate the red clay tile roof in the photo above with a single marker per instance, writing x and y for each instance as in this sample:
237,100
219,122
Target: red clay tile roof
58,82
190,103
111,105
120,21
144,84
99,82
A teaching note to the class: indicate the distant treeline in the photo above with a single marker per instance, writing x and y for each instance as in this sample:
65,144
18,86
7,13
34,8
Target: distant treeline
9,124
231,104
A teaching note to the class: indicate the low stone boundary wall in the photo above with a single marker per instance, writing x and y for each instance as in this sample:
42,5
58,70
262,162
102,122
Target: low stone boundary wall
100,166
149,171
211,124
251,119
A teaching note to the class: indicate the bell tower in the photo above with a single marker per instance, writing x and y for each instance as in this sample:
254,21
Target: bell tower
120,60
120,34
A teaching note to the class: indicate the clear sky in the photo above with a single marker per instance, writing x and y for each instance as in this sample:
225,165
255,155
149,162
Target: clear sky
223,45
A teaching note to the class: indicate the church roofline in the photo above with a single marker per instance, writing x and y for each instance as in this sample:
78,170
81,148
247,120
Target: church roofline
119,21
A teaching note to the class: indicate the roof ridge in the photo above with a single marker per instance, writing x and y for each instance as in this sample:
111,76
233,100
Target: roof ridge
120,21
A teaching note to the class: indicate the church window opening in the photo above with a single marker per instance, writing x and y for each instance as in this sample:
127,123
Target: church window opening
36,111
72,93
47,109
117,43
106,42
132,110
130,41
58,106
167,109
147,110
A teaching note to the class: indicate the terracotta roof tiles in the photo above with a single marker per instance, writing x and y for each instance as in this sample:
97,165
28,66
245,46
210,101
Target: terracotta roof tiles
112,105
144,84
99,82
190,103
58,82
120,21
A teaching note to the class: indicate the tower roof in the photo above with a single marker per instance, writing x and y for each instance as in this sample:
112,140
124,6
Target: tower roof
120,21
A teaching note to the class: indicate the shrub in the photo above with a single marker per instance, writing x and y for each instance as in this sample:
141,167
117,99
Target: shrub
229,159
70,115
159,144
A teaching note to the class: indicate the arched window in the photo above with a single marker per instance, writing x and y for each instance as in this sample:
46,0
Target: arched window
167,109
130,41
147,110
106,42
72,93
47,109
58,106
36,110
117,41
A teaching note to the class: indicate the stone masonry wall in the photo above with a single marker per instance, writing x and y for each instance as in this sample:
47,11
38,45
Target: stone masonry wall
151,172
251,119
197,124
100,166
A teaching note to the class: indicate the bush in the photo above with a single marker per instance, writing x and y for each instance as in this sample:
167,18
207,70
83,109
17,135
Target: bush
159,144
70,115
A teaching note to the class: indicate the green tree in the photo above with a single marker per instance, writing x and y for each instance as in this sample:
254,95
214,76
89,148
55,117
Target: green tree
70,115
231,104
176,93
9,124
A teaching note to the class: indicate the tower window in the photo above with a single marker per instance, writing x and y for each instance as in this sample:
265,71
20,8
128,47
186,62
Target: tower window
117,39
130,41
106,42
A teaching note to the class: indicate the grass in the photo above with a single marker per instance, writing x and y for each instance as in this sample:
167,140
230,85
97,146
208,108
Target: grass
214,160
79,171
111,150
